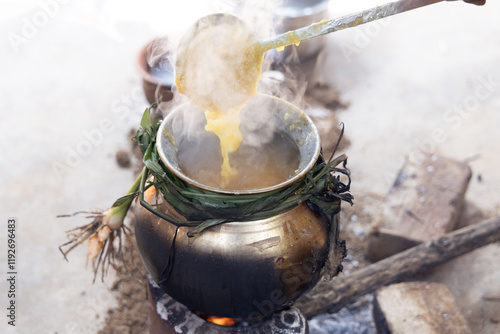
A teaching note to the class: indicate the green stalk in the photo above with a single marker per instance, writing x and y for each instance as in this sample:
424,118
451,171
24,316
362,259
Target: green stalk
119,210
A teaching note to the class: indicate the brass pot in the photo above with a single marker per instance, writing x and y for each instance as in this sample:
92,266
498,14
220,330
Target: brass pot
238,269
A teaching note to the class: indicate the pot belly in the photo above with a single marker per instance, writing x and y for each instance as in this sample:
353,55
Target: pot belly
238,269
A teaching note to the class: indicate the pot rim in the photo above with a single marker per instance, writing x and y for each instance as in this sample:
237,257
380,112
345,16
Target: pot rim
175,170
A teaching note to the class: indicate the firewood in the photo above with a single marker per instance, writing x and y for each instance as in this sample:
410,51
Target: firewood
342,290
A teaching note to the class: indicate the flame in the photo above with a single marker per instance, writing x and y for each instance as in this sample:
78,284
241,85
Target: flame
221,321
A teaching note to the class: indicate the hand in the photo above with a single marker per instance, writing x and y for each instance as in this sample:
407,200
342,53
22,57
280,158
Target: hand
475,2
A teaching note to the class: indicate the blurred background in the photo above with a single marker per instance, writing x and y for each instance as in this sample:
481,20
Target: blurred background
426,81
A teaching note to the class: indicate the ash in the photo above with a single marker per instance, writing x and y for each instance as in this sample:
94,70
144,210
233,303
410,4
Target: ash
353,319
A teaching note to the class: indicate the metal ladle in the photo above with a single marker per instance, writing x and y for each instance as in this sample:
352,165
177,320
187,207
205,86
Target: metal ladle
349,21
254,53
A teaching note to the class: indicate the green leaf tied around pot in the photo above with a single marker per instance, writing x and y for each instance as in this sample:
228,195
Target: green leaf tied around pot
321,187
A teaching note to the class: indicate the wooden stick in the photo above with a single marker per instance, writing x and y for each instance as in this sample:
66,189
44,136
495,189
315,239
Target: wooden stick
332,296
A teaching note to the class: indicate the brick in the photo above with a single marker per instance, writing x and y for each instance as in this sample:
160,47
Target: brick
418,307
424,202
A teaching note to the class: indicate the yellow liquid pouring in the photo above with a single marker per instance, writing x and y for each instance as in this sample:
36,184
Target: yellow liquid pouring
258,166
218,71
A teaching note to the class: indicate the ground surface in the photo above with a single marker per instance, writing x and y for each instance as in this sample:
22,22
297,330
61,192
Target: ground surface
73,70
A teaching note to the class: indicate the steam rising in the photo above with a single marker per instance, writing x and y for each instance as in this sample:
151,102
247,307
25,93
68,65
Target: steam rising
210,84
267,155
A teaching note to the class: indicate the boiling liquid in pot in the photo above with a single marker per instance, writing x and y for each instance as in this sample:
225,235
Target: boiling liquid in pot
258,167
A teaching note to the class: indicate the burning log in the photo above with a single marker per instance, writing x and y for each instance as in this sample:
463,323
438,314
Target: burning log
332,296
